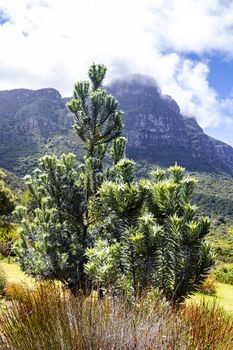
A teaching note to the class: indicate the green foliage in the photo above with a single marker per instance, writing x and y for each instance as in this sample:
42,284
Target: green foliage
55,229
224,273
51,243
101,263
153,235
7,199
117,151
8,235
214,195
7,229
97,225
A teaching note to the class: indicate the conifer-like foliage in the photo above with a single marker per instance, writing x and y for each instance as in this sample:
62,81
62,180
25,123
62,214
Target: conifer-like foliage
96,225
57,232
150,237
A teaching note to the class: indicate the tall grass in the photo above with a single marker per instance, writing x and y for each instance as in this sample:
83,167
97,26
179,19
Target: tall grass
3,281
210,328
49,318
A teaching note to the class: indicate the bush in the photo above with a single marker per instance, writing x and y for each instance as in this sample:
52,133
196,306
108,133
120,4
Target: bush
8,236
209,285
51,318
96,224
224,273
15,291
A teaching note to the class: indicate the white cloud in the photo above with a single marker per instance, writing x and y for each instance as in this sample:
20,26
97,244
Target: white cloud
195,25
52,43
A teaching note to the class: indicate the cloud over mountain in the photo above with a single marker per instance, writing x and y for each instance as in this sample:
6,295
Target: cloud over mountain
52,43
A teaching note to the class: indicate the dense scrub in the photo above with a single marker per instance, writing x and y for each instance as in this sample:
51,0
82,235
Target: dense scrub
224,273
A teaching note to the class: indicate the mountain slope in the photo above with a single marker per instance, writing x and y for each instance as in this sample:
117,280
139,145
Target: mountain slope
33,123
156,130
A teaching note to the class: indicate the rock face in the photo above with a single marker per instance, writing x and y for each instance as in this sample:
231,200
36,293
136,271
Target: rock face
156,130
30,123
33,123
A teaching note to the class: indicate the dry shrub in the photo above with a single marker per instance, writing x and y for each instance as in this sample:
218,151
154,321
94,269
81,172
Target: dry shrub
15,291
50,318
209,285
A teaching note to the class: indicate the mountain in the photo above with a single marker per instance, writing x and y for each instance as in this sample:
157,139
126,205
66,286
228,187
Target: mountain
33,123
157,131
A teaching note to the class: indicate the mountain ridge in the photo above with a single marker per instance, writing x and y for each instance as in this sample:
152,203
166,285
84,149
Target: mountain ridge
35,122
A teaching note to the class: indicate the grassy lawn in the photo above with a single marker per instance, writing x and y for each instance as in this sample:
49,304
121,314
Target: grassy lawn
13,272
223,297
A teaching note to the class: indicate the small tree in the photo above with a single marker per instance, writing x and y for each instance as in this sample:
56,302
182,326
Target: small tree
55,235
96,223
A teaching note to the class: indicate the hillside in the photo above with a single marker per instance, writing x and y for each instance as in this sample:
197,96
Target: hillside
15,183
33,123
214,197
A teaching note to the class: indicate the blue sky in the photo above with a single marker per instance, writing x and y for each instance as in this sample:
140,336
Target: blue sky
3,17
221,79
186,45
221,75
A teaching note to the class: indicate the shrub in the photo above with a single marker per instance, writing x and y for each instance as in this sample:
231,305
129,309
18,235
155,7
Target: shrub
224,273
8,236
96,224
209,285
15,291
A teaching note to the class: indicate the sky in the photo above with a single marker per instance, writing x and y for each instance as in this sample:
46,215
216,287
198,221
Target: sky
185,45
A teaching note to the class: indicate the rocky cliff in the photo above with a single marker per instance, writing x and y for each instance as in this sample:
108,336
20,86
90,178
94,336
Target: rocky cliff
33,123
36,122
156,130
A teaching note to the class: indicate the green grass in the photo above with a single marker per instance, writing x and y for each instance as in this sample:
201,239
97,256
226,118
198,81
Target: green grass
223,297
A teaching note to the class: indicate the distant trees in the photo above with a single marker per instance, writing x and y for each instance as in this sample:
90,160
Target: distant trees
7,205
95,224
7,200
